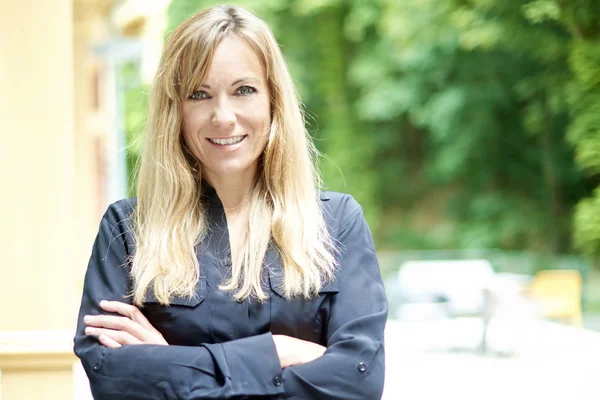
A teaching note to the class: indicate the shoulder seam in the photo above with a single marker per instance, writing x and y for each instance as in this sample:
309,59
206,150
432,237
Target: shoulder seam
113,224
350,220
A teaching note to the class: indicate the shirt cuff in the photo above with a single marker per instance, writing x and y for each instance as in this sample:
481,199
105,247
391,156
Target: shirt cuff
254,365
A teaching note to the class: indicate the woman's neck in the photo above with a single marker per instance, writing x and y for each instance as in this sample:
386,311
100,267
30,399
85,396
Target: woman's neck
233,192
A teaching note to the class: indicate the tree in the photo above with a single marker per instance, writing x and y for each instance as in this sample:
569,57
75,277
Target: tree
451,121
485,87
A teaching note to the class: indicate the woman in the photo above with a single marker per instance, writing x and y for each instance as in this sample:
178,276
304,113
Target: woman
231,275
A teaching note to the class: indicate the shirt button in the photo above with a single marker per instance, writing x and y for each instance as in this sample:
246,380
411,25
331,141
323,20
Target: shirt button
97,367
277,381
362,367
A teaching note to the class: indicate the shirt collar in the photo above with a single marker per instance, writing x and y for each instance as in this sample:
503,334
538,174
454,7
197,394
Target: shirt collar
209,196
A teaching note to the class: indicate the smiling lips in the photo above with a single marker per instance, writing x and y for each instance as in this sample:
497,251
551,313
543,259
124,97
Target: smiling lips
227,141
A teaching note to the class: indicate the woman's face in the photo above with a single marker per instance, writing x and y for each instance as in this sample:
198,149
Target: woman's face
227,119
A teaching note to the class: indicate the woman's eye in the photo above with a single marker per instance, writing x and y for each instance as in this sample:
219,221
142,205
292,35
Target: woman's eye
246,90
199,95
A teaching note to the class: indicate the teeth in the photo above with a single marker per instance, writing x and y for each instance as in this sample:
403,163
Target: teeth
228,141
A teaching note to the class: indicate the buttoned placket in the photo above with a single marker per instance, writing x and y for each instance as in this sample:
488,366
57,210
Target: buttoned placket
220,245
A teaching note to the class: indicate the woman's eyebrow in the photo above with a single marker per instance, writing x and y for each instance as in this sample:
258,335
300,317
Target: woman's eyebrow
248,78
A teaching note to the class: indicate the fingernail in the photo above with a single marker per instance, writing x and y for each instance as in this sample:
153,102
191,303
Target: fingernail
103,302
86,319
89,331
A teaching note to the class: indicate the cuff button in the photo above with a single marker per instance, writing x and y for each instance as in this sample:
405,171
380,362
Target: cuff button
277,381
362,367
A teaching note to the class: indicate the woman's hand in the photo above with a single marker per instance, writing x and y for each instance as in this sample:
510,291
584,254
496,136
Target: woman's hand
294,351
114,331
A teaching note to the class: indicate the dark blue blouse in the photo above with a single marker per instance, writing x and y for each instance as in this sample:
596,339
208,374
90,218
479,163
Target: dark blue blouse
223,349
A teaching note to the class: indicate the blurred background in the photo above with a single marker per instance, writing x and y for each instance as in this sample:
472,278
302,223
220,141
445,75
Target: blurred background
468,130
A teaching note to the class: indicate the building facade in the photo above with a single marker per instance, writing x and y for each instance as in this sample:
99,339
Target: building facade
62,162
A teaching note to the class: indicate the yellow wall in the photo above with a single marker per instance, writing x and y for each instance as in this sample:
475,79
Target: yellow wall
36,82
50,193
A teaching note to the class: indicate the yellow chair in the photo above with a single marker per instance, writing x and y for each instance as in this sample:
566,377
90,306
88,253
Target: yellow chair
558,294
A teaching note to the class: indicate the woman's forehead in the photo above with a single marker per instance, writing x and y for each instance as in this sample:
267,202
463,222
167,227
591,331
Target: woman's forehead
233,60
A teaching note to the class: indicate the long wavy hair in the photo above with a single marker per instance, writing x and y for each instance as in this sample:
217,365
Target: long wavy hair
169,219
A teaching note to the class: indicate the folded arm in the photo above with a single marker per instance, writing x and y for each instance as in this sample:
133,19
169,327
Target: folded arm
353,367
242,367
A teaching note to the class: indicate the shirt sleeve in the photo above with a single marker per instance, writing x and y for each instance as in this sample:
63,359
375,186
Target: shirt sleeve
244,367
353,366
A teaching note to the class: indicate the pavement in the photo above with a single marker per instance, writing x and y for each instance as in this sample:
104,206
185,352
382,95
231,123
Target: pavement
527,359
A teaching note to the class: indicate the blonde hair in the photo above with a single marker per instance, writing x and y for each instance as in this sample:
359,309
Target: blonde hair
169,219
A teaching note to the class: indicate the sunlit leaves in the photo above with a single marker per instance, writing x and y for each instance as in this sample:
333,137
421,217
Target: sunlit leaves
541,10
447,119
587,225
305,8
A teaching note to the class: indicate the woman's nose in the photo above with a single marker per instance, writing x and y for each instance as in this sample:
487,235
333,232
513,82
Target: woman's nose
223,116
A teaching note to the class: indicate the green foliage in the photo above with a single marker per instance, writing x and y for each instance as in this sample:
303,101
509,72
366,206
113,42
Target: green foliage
584,98
584,132
587,223
488,105
456,124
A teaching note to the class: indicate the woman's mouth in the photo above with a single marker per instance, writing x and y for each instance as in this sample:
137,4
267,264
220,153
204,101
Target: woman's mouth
230,141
